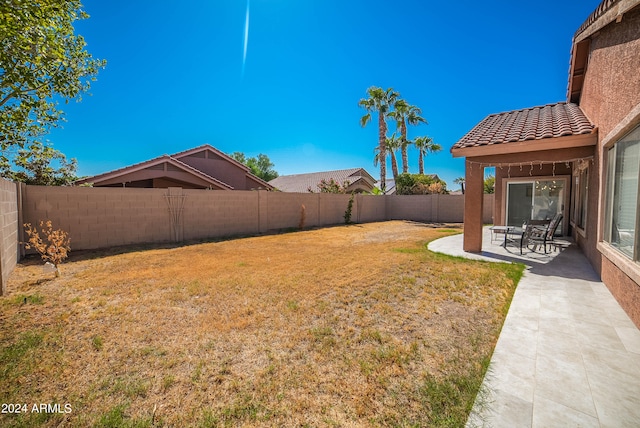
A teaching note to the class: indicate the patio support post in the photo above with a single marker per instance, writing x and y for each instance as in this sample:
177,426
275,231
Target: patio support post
473,207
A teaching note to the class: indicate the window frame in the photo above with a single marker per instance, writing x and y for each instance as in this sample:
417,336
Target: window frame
580,200
611,197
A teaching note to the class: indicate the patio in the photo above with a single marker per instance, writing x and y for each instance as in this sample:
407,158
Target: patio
568,355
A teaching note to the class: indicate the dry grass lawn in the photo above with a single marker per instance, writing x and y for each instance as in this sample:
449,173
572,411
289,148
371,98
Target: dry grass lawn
345,326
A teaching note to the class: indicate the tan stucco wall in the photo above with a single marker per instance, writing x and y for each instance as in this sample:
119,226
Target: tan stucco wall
612,81
625,290
610,95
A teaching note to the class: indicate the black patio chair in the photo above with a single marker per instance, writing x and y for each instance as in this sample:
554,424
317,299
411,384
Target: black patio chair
539,235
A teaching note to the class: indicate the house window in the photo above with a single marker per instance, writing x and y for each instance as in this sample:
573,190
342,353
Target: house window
623,173
581,190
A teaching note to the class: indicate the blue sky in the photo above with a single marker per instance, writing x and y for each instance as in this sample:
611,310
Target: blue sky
175,77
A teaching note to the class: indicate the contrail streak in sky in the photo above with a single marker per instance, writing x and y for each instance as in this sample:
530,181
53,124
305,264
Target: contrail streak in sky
246,39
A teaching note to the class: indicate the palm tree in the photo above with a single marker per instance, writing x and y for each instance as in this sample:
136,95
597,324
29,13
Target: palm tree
393,144
379,101
405,113
460,181
425,145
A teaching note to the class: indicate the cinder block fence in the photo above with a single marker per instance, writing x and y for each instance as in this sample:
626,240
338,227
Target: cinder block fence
106,217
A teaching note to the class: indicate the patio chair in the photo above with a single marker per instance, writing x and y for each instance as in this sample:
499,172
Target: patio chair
536,235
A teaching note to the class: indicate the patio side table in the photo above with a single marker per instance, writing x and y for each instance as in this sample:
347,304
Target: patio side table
497,230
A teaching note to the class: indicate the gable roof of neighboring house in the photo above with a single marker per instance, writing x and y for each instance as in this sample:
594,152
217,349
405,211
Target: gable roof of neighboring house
358,178
208,148
391,186
530,129
174,168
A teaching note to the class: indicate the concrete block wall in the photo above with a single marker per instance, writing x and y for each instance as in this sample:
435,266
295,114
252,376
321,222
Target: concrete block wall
9,246
284,209
100,217
107,217
212,214
369,208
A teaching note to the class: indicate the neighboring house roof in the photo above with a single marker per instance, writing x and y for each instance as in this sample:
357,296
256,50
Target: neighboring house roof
358,179
527,130
174,168
118,175
390,186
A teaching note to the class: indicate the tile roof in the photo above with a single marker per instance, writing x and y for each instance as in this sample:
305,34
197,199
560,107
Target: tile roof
536,123
149,163
602,8
300,183
175,159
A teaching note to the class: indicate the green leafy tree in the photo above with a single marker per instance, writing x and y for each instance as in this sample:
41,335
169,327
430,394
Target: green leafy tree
419,184
425,145
42,165
260,166
405,113
489,184
42,60
330,186
380,101
460,181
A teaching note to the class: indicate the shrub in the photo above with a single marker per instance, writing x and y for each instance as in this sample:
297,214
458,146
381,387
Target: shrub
54,248
419,184
330,186
347,213
303,217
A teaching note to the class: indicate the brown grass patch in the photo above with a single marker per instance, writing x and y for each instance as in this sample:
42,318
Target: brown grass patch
345,326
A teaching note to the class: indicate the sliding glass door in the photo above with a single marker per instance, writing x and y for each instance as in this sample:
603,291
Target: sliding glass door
534,200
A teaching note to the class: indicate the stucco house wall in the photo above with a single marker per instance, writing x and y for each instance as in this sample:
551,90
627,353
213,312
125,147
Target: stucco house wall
611,98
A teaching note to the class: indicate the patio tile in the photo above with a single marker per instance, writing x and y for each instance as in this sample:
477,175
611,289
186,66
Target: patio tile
581,358
515,376
502,410
630,337
560,345
619,366
564,383
518,340
548,413
599,335
556,321
617,402
590,315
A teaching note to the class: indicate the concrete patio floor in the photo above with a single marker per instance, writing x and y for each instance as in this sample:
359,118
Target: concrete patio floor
567,355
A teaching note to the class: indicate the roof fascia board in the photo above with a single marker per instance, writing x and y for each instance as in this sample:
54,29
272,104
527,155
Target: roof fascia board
616,10
569,141
125,170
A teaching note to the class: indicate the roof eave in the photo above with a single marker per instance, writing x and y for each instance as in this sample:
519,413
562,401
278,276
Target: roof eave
606,13
553,143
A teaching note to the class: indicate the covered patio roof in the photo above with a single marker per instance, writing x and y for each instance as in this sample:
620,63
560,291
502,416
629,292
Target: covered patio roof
553,126
550,134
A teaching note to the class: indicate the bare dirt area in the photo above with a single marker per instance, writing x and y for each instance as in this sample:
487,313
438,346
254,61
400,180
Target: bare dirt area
354,325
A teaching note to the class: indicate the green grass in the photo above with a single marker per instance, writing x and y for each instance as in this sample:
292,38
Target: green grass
117,418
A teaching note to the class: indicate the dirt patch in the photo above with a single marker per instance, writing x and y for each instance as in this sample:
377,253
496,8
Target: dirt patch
344,326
